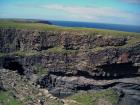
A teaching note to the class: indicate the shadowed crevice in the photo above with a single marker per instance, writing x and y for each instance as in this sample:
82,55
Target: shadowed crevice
12,64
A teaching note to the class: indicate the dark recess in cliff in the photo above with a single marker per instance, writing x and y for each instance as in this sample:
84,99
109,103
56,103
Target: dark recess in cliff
121,70
12,64
105,72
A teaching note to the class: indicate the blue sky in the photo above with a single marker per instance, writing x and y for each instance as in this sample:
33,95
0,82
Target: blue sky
103,11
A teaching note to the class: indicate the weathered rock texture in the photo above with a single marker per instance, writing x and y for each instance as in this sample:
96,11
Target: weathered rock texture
22,89
72,60
25,40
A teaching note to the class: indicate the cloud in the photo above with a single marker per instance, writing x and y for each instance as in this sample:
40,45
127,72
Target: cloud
77,10
99,14
79,13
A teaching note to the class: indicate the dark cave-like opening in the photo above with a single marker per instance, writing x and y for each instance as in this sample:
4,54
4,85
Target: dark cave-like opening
45,48
87,87
84,74
119,70
106,72
12,64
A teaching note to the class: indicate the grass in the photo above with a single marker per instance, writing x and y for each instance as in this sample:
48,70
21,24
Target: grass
57,49
6,98
41,26
2,54
39,70
20,53
23,53
109,96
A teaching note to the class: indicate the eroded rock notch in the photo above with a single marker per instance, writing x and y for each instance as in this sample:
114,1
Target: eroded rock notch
12,64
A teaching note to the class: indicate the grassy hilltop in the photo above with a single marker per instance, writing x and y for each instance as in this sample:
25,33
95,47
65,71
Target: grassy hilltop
35,24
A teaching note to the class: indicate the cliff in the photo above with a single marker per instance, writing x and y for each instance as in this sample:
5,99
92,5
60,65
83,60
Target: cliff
65,62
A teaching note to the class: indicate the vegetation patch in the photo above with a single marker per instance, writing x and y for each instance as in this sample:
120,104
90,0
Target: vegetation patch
41,26
6,98
108,97
2,54
39,70
59,49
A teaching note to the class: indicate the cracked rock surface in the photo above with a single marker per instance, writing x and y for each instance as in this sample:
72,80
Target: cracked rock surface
64,63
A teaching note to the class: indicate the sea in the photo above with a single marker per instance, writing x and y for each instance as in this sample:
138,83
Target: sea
119,27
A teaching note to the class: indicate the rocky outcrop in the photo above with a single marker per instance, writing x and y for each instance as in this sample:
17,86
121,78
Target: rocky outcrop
22,89
72,61
129,93
27,40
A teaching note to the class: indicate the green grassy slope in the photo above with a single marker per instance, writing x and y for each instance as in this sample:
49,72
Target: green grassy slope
6,98
106,97
41,26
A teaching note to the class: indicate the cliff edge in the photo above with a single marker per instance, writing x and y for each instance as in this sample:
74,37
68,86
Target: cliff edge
66,62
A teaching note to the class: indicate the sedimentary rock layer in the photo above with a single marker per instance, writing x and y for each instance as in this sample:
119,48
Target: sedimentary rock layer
72,61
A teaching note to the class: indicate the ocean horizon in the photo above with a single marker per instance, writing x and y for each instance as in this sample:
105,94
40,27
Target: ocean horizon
118,27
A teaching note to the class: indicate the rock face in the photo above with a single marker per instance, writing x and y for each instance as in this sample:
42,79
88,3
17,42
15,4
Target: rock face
22,89
24,40
73,61
129,94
